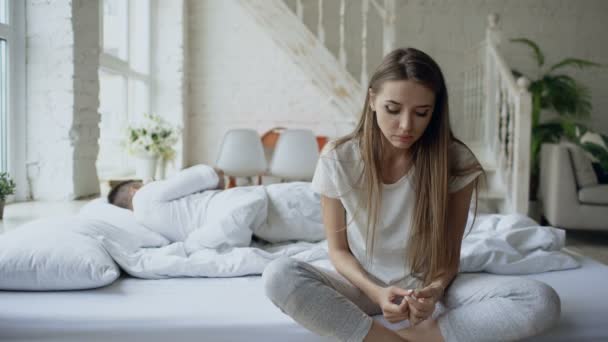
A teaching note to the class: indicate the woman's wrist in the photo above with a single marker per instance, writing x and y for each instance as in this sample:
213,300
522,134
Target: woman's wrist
374,293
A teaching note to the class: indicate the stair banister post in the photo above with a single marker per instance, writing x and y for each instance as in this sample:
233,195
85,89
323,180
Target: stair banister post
364,76
309,55
491,87
388,26
320,28
342,52
521,167
493,33
299,10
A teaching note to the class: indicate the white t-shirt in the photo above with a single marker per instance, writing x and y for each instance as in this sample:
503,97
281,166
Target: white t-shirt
336,175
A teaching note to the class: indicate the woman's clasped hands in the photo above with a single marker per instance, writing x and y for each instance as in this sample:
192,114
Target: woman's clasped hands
399,304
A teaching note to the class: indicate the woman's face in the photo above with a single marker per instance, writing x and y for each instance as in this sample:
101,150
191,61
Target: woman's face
403,111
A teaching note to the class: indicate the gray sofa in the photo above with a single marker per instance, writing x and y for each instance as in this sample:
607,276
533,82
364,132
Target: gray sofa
570,194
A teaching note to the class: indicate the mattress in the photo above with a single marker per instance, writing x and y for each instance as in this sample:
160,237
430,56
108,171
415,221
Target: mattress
235,309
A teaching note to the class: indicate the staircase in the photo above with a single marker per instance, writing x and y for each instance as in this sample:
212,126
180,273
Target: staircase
496,107
499,110
309,53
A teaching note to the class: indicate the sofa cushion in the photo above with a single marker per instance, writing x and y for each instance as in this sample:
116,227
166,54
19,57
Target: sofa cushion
594,195
583,167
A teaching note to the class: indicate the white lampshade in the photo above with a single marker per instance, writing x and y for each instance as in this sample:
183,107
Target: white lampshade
295,156
241,153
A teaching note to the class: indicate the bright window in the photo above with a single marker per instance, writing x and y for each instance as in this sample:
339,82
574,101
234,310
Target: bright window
5,38
116,28
124,78
3,11
3,107
12,93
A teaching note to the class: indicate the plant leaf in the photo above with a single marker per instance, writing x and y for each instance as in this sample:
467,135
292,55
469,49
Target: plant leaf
538,55
604,138
597,151
577,62
566,96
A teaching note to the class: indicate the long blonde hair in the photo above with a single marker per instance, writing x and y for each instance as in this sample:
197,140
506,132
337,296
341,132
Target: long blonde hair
430,249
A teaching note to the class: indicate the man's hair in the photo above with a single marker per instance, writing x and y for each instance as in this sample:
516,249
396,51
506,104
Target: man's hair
120,194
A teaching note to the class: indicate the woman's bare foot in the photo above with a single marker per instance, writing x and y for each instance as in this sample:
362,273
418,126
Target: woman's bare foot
427,330
380,333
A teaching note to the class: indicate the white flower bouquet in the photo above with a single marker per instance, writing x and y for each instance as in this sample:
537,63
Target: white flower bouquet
154,137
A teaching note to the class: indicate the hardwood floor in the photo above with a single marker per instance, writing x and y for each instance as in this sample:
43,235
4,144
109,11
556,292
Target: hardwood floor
589,243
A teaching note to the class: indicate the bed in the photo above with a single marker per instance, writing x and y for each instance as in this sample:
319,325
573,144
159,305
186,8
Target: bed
235,309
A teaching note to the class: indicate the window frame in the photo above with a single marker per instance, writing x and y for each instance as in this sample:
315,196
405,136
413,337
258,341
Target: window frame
114,65
14,34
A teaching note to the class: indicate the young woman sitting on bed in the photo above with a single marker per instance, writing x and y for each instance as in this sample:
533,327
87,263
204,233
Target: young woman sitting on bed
395,196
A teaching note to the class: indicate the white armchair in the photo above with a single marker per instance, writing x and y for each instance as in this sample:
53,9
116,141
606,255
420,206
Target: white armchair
570,195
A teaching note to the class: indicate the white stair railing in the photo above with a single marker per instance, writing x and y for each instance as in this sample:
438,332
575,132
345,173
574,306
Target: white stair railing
289,32
386,12
498,110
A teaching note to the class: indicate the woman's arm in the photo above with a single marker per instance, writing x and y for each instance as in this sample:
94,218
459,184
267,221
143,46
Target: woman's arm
339,252
458,211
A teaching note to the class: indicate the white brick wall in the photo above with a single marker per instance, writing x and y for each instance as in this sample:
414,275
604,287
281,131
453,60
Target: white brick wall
62,98
239,78
169,50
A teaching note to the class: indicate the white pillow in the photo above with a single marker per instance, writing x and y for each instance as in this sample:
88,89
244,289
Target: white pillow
583,168
294,213
100,209
51,254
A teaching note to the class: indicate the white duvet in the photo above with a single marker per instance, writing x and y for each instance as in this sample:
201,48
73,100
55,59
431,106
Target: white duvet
513,244
503,244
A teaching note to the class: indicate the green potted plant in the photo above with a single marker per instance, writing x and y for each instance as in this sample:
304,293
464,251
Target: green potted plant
561,93
7,187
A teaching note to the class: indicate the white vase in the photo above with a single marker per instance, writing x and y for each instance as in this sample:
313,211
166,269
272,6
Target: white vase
161,169
145,167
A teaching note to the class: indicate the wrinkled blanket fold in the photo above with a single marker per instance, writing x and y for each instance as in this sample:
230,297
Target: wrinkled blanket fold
502,244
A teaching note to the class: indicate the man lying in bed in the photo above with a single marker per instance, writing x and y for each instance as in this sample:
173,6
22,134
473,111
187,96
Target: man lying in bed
173,207
193,199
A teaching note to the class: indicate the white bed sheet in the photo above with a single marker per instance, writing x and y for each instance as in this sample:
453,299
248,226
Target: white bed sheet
235,309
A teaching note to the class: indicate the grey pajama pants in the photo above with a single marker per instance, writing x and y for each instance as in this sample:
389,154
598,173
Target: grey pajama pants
479,306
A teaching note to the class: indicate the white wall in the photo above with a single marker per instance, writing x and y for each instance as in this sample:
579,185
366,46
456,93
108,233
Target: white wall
169,73
62,98
239,78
